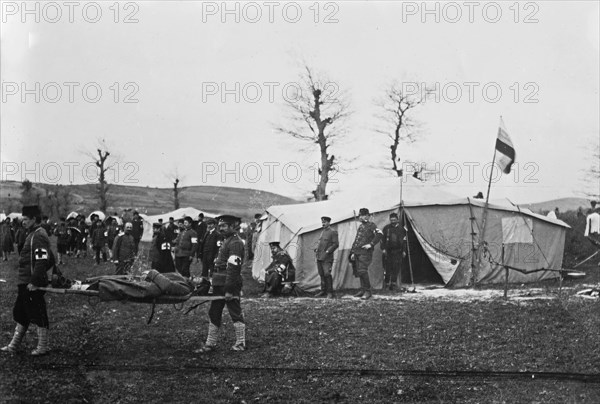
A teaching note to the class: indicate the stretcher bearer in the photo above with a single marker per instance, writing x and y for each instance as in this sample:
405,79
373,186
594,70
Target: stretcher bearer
227,281
34,261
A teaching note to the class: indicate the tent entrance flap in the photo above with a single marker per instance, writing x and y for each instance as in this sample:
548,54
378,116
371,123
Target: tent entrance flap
423,269
443,263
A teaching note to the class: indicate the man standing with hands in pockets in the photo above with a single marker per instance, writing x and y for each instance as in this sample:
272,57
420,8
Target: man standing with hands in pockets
328,243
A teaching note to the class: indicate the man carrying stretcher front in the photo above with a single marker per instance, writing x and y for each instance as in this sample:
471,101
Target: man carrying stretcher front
227,281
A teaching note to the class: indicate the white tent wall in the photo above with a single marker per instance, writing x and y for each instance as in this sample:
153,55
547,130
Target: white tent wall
176,214
301,249
446,229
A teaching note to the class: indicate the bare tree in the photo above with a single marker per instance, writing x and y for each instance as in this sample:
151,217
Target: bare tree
176,179
590,180
176,194
104,163
398,122
317,115
29,194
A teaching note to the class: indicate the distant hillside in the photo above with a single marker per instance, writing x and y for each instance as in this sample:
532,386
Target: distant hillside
238,201
563,205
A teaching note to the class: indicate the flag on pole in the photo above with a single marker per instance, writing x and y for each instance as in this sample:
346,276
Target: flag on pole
505,156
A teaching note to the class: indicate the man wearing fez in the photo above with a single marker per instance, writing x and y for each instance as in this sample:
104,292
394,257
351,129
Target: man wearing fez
280,270
361,254
227,281
392,247
186,247
328,243
34,262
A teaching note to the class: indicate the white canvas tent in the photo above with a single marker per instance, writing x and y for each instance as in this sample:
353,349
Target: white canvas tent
15,216
440,237
176,214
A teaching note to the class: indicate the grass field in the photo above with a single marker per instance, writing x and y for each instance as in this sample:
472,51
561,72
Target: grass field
412,349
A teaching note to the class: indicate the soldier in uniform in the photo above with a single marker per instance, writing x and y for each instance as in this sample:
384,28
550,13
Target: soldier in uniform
210,247
227,281
280,270
186,247
392,246
361,254
35,259
328,243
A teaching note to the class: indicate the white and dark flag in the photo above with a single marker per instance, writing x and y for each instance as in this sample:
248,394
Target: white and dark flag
505,151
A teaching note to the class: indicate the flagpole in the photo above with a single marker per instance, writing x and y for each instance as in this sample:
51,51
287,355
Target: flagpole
484,216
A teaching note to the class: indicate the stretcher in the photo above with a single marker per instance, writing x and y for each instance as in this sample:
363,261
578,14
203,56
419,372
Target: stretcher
153,288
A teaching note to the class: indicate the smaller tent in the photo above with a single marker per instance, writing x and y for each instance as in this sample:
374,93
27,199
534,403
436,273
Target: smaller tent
99,213
176,214
15,216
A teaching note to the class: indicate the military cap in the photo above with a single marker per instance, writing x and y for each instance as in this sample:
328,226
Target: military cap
326,218
171,218
274,243
156,225
394,214
258,215
211,221
31,211
363,211
228,219
201,215
189,219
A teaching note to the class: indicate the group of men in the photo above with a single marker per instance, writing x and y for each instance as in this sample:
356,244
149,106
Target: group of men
281,272
175,245
36,259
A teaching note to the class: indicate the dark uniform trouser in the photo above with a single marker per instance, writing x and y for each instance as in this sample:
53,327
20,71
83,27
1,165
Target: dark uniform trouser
183,265
274,282
215,312
123,267
324,268
208,267
363,262
100,250
393,261
30,307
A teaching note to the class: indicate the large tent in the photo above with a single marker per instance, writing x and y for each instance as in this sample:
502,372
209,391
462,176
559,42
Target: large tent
443,233
176,214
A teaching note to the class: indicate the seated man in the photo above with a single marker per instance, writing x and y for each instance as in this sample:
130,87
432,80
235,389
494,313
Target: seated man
280,270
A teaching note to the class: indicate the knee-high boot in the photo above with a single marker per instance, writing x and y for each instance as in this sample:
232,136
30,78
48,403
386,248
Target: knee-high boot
240,336
211,339
17,338
43,347
329,283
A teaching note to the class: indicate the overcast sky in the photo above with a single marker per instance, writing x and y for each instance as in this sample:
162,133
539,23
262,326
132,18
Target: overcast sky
192,88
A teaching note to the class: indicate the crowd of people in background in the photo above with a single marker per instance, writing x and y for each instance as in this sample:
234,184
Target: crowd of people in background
174,246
